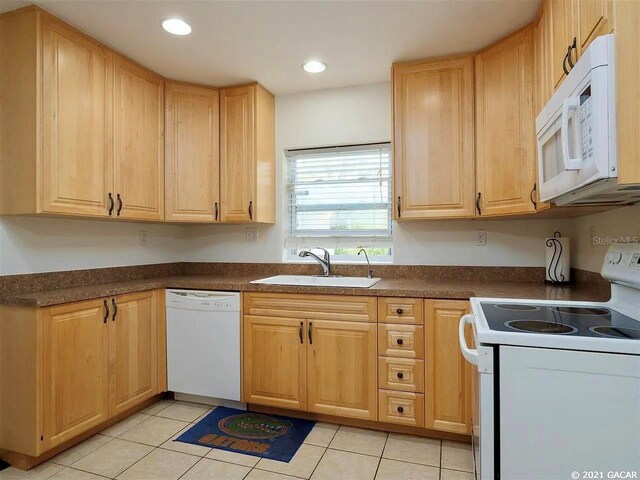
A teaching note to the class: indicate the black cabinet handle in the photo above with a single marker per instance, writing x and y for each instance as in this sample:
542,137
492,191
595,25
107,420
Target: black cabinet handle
111,204
399,341
399,206
478,203
300,332
573,46
399,311
532,196
115,309
250,210
400,409
216,210
564,64
400,375
106,312
119,205
310,333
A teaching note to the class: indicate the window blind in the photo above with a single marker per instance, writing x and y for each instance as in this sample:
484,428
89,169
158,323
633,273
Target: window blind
339,197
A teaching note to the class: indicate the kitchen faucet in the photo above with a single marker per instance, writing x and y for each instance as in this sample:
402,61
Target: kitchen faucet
369,271
325,262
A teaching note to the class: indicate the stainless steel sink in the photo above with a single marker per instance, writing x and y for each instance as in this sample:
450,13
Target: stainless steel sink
319,281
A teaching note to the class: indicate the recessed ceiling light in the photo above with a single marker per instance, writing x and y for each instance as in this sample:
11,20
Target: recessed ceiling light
176,26
314,66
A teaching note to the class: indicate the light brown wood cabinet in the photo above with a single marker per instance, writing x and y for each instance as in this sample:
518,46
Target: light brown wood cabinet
72,367
247,154
505,129
433,111
192,155
448,375
138,142
308,363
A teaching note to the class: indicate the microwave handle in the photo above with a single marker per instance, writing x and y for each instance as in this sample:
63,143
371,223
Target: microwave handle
470,354
569,104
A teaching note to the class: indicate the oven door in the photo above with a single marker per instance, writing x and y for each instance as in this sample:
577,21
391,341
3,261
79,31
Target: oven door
482,402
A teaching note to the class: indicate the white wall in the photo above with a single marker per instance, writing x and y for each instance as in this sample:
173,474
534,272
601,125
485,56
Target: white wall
31,245
362,114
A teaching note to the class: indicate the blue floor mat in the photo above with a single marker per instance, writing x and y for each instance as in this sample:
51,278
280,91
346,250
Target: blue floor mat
267,436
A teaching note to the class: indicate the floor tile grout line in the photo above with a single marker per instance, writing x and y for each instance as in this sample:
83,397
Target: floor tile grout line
277,473
80,443
325,450
440,471
380,459
84,471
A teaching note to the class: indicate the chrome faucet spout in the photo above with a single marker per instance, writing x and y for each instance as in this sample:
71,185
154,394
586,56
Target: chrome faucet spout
325,262
369,271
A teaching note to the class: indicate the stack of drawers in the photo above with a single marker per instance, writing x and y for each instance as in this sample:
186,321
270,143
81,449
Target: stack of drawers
401,374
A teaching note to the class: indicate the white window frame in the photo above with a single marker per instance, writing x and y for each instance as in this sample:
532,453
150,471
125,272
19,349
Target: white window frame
292,247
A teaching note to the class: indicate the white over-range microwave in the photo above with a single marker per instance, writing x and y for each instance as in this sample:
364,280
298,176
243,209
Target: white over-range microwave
576,135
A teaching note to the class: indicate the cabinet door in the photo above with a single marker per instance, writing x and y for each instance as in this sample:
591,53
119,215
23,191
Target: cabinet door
237,153
341,369
561,37
505,130
75,374
133,350
433,139
274,362
192,153
77,105
139,142
447,391
593,18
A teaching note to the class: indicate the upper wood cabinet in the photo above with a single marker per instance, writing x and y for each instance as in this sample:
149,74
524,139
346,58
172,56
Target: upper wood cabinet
247,154
561,38
433,137
448,375
505,131
192,153
76,366
138,142
592,19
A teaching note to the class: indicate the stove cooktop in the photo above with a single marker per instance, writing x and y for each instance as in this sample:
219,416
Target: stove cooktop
581,321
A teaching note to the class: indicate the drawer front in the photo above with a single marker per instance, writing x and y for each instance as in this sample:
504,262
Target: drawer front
401,341
401,407
404,374
401,310
312,307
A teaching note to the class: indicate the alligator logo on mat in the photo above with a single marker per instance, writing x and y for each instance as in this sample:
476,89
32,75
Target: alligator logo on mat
254,426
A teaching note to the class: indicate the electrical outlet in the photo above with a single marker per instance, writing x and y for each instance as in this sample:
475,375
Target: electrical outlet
251,234
144,238
481,238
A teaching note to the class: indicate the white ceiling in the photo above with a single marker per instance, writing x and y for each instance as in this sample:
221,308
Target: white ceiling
238,41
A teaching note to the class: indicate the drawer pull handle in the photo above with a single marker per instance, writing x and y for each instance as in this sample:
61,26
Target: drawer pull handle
400,375
399,311
399,341
400,410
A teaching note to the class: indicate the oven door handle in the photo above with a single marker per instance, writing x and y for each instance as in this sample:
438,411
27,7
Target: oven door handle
570,104
471,355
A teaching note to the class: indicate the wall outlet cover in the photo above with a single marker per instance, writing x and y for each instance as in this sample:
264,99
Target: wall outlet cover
481,238
144,238
251,234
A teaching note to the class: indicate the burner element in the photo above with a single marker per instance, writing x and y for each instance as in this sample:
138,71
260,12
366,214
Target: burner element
541,326
617,332
517,307
582,310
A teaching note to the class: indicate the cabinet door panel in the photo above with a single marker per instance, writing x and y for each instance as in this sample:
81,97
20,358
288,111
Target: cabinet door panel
341,369
77,102
237,153
139,141
505,131
133,350
75,380
448,374
192,153
561,37
433,139
274,370
594,18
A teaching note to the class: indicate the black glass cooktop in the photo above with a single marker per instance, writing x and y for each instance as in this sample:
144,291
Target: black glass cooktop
560,320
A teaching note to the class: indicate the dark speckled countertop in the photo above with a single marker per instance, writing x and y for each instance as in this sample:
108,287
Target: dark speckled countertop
393,287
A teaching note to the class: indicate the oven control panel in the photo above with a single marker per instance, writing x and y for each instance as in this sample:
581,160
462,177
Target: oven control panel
622,264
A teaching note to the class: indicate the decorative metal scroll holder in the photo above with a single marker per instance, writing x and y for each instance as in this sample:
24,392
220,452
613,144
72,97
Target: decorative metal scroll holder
554,268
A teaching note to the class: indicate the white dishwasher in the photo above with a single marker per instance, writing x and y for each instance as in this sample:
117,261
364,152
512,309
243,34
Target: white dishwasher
203,343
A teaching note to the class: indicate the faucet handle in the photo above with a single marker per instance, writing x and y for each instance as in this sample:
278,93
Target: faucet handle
326,253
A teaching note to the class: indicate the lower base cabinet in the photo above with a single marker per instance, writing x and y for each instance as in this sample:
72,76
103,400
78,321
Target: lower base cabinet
72,367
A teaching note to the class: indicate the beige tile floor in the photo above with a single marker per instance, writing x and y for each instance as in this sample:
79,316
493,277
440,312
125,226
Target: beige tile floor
142,447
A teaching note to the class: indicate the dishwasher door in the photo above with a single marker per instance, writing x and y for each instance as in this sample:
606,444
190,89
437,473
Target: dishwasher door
203,343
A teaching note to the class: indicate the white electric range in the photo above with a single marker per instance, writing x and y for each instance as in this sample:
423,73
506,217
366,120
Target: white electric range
557,390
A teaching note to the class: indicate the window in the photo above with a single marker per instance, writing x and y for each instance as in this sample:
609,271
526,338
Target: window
339,198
